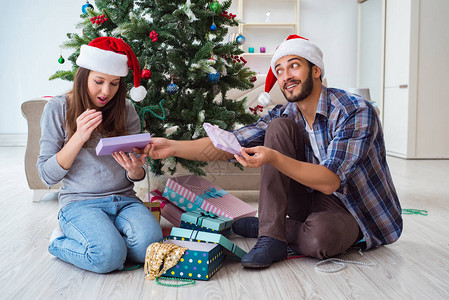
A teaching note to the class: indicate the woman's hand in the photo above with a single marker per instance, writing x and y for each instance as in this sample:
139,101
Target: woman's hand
158,148
262,155
86,124
131,164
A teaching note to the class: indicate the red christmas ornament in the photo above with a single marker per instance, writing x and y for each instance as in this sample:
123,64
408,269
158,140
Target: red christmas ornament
146,74
228,15
256,109
253,79
153,36
100,19
236,58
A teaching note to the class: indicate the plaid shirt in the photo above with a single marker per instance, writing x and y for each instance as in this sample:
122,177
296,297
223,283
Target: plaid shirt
351,144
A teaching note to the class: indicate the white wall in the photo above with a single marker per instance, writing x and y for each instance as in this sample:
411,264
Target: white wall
332,25
371,49
32,32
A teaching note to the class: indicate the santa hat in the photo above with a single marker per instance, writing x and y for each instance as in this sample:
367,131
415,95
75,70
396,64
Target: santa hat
293,45
112,56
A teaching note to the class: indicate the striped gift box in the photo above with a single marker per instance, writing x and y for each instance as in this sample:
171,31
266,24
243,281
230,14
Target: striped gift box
168,210
195,193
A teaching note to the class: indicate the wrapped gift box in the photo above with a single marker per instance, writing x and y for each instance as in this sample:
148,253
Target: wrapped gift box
124,143
223,139
194,193
200,262
168,210
206,222
155,208
232,250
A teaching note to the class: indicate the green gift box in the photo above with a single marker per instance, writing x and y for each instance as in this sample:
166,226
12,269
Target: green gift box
230,248
206,222
201,261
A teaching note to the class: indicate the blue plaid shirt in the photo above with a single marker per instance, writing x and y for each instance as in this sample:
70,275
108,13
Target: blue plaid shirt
351,144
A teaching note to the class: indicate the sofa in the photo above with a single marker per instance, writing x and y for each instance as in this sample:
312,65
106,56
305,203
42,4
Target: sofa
243,184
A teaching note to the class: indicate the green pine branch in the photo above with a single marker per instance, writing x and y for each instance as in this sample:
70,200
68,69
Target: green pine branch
181,55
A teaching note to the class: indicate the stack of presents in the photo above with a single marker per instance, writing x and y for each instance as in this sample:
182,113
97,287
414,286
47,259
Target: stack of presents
202,214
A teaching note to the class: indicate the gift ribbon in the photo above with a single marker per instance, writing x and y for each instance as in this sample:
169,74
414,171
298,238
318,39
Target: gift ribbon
159,197
213,193
194,234
156,208
209,215
205,215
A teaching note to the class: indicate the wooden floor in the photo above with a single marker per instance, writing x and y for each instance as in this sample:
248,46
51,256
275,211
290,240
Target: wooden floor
415,267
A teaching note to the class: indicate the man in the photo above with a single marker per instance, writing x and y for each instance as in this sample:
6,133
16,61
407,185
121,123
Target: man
325,182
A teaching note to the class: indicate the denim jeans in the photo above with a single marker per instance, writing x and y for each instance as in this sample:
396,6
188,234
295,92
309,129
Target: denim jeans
100,234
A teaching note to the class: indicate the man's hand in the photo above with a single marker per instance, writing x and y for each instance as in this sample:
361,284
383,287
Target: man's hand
314,176
262,155
158,148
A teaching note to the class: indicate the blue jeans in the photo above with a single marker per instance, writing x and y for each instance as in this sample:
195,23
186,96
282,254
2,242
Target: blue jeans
100,234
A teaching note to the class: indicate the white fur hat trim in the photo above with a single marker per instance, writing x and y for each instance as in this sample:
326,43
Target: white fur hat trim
300,47
103,61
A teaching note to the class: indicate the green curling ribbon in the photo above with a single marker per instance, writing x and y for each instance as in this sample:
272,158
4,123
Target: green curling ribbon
413,211
187,281
151,163
144,110
132,268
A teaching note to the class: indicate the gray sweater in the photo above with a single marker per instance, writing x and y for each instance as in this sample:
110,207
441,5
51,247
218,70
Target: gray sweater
90,176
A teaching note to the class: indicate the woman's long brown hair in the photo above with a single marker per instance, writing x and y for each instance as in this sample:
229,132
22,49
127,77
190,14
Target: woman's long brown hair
114,112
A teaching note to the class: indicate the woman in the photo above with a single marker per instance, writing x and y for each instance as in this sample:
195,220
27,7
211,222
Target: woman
102,222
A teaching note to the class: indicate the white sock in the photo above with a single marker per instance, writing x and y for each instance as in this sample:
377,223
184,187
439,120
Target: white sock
57,232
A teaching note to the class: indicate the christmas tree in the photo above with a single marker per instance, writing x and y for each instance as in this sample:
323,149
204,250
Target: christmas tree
188,67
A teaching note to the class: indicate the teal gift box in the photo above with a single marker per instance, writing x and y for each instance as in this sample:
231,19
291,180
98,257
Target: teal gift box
230,249
200,262
206,222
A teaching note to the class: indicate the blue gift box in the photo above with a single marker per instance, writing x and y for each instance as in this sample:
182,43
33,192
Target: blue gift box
201,261
206,222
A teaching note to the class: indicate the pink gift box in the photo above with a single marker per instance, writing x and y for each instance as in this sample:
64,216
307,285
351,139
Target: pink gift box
169,211
194,193
124,143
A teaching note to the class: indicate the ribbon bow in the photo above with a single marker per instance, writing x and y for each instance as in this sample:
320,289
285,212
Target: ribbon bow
209,215
213,193
162,200
205,215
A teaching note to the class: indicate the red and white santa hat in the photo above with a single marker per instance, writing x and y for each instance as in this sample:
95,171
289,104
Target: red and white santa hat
293,45
112,56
